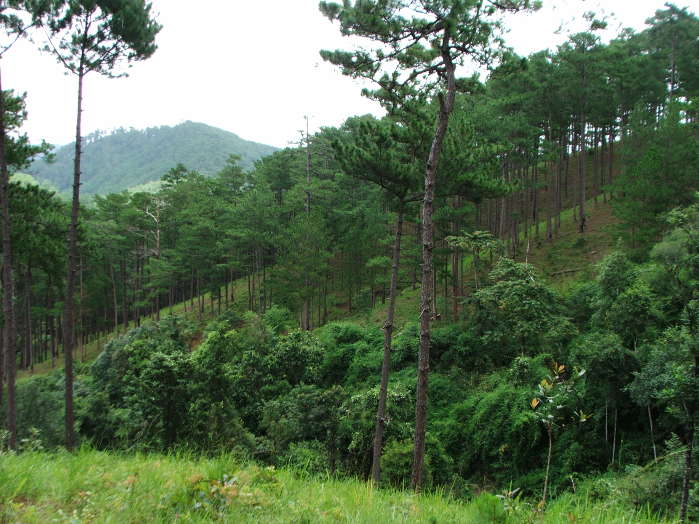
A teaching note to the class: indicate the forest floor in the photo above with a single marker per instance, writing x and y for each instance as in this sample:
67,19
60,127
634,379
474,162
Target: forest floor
92,486
572,256
569,258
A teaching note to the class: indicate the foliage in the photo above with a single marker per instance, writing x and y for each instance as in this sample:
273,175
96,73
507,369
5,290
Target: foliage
659,174
519,314
40,410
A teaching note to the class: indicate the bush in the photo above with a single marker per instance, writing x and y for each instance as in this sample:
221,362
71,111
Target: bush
138,390
397,461
657,486
278,319
40,409
307,458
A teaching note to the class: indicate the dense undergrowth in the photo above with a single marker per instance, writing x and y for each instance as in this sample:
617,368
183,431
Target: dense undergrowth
589,368
605,357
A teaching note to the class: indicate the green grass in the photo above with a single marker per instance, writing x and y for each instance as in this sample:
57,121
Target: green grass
572,256
569,258
91,486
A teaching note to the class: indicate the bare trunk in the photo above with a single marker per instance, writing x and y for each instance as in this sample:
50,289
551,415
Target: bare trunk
9,331
114,298
69,309
30,334
583,174
652,436
427,291
386,365
616,417
548,464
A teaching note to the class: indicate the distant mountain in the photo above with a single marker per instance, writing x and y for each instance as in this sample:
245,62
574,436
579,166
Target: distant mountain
126,158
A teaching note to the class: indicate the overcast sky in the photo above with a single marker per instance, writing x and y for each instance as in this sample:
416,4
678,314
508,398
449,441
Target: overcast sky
249,67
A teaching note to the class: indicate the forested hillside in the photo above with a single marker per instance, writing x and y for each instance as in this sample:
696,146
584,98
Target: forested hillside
126,158
524,247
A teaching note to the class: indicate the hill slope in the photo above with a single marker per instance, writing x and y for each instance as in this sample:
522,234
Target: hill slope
125,158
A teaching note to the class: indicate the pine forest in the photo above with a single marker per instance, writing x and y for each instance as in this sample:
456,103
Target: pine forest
477,304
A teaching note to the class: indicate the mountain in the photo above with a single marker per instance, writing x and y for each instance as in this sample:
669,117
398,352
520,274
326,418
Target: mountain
126,158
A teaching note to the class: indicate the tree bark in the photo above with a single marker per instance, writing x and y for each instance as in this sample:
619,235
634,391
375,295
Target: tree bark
69,308
427,292
30,333
9,331
386,365
583,172
548,464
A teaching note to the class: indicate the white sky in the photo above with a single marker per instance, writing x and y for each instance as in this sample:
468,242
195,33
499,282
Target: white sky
249,67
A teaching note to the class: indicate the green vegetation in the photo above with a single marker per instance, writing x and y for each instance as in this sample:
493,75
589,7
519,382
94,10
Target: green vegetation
257,342
125,158
103,487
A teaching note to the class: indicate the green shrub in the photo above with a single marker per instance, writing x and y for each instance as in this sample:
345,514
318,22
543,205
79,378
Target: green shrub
308,458
40,408
278,319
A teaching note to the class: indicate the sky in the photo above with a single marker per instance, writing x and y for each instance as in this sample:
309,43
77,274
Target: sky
250,67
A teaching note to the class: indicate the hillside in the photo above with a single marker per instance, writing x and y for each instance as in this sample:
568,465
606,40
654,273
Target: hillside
126,158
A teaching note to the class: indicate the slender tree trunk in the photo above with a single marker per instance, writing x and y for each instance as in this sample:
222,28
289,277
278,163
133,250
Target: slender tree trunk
69,309
9,331
387,339
652,436
610,166
549,431
616,417
114,298
583,174
81,313
30,333
125,292
427,292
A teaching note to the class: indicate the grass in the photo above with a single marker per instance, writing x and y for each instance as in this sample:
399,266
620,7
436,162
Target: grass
92,486
569,258
572,256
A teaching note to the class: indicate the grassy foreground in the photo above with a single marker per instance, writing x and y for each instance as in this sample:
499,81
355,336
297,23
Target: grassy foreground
92,486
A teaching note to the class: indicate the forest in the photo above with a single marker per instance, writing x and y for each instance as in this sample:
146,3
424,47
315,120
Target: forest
488,296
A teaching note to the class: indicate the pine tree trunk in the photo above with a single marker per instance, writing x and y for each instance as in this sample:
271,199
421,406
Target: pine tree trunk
10,331
427,292
69,309
610,176
114,298
386,365
616,419
652,436
583,174
30,334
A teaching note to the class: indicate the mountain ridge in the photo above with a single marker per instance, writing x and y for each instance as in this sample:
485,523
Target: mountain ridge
124,158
